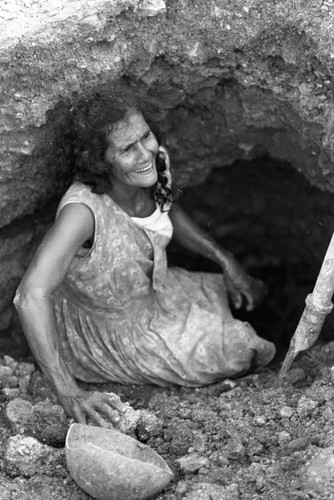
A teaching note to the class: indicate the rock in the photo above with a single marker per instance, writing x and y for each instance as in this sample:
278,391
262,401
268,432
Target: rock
5,373
24,369
18,412
255,449
199,443
45,421
327,413
25,456
185,413
152,8
11,393
284,437
9,361
286,412
12,381
24,384
181,489
128,419
149,425
208,491
260,420
319,471
14,374
213,457
192,463
300,443
306,406
180,436
235,450
222,459
48,423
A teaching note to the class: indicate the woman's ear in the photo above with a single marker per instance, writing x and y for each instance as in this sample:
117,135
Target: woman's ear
164,152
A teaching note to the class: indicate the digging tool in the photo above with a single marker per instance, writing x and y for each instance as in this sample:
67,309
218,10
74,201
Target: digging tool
318,305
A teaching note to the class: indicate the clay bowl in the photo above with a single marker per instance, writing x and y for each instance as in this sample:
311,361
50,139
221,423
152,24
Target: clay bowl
110,465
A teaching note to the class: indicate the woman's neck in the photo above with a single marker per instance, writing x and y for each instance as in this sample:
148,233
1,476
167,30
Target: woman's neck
136,202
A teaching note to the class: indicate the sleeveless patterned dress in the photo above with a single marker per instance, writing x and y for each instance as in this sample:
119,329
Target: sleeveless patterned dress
123,316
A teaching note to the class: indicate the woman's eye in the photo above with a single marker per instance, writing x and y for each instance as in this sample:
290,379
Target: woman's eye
148,135
132,147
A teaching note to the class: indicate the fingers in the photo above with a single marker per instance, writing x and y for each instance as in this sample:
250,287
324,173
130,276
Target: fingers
253,299
243,298
250,304
79,415
110,413
236,299
246,291
233,294
98,420
114,401
109,403
103,409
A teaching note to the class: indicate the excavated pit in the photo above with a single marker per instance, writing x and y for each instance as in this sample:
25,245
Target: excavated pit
275,222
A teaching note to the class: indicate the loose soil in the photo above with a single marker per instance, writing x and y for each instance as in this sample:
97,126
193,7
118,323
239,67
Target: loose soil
241,439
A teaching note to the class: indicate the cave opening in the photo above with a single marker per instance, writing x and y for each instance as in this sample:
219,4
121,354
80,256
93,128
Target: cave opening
268,215
272,219
277,224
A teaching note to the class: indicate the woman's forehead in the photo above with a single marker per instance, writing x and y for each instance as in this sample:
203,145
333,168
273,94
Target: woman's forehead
127,130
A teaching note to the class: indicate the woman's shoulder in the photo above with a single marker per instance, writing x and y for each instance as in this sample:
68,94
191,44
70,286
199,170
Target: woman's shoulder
78,189
79,193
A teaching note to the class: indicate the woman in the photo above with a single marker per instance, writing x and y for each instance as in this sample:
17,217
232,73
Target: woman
98,302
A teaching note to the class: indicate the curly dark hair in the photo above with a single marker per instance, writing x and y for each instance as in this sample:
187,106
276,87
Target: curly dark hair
80,134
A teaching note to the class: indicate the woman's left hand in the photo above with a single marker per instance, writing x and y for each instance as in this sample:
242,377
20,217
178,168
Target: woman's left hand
242,289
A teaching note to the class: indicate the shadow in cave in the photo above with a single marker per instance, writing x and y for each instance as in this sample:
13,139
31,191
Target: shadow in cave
278,226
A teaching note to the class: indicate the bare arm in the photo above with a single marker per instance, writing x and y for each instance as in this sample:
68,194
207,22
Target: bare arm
240,286
33,301
191,236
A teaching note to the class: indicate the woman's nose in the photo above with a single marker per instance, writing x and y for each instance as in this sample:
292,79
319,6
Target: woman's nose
144,154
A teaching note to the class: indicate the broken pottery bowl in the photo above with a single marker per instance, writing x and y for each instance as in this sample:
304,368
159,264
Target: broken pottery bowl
110,465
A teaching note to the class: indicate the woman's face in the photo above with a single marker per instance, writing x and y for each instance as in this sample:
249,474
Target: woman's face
132,150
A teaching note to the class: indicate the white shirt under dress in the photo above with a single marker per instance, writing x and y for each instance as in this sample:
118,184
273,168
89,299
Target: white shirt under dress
158,222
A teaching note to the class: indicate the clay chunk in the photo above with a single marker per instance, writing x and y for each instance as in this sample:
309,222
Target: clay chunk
110,465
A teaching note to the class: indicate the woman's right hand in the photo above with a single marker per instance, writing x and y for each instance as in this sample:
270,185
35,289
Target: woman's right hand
242,288
101,408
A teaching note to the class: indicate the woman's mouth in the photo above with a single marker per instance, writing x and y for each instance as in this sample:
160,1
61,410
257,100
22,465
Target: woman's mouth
144,170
